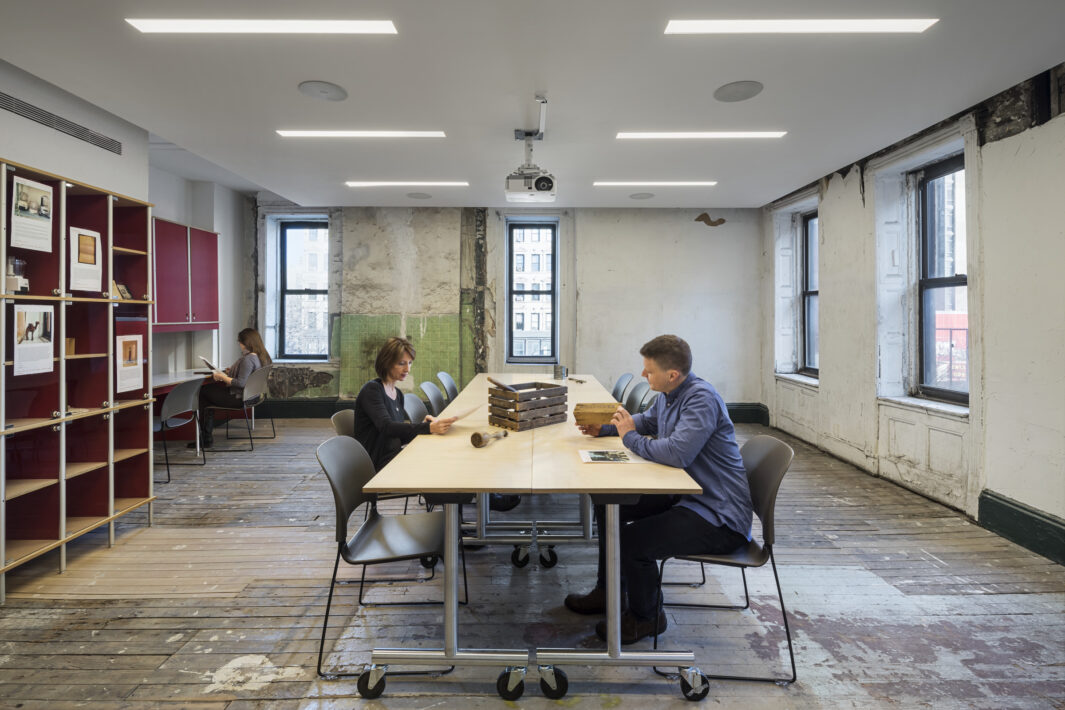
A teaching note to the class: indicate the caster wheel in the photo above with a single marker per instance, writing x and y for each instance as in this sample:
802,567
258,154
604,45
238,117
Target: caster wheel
690,693
519,558
550,559
505,693
561,686
429,562
366,691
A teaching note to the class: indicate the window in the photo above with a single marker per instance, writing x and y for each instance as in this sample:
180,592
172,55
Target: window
943,318
810,316
530,307
304,307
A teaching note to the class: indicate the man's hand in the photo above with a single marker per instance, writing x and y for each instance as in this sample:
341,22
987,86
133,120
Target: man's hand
439,426
623,421
589,429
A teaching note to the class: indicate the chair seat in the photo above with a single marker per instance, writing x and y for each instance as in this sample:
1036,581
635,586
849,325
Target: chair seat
171,423
750,555
384,538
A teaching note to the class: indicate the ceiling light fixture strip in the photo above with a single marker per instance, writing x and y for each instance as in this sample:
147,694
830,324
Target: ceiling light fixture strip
253,26
801,26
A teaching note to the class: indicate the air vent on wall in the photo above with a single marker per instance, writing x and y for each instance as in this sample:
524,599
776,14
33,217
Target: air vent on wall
47,118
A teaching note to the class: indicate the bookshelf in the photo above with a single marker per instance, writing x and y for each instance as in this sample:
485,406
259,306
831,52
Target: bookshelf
75,390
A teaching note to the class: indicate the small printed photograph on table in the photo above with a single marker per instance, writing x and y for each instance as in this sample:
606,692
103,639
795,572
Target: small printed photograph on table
691,429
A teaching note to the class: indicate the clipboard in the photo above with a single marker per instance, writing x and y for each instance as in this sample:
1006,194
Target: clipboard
208,363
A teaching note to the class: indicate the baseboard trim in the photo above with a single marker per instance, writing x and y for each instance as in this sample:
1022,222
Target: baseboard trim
748,413
1033,529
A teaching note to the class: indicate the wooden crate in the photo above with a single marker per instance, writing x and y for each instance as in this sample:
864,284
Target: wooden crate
533,404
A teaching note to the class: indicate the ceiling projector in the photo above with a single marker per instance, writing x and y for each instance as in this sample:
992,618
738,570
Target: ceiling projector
529,183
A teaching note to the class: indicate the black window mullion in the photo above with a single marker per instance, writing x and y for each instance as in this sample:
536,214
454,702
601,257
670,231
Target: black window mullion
286,291
551,266
807,295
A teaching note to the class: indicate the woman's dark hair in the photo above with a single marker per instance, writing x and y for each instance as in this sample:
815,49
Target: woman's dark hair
250,339
669,352
390,353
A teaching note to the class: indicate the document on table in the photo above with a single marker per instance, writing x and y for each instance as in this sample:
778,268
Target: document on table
463,413
610,456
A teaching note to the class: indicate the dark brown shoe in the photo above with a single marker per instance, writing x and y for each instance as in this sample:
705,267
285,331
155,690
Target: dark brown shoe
594,602
633,629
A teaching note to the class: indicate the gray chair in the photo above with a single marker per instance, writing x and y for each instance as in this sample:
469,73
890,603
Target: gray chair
344,422
450,388
435,397
414,407
628,388
648,399
255,390
635,396
380,538
619,387
767,460
181,406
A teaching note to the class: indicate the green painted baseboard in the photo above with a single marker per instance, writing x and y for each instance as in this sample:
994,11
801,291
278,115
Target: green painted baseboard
1039,532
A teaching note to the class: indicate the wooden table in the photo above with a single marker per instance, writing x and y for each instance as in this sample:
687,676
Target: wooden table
544,460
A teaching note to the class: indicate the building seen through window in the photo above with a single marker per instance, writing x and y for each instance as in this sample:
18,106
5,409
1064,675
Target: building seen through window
532,295
304,326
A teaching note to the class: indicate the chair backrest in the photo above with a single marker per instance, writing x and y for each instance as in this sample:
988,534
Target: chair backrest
767,460
344,422
414,407
255,387
635,396
648,399
348,468
450,388
183,398
436,398
620,385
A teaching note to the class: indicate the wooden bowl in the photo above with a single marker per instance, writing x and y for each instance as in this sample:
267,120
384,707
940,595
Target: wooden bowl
593,413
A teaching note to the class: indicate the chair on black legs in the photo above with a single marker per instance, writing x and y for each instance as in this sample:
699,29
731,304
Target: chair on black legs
450,388
619,386
254,395
767,460
635,396
181,406
435,397
381,538
344,422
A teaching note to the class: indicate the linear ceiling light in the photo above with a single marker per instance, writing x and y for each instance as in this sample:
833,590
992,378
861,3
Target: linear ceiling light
407,183
645,183
205,26
361,134
682,135
695,27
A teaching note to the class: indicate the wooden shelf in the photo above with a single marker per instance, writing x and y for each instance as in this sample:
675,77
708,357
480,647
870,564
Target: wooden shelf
21,486
126,505
31,297
82,412
79,467
134,301
123,454
124,250
127,403
77,525
17,425
85,356
19,551
11,363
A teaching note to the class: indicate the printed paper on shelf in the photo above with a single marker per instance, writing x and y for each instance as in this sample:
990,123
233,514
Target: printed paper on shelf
129,363
86,260
31,215
34,331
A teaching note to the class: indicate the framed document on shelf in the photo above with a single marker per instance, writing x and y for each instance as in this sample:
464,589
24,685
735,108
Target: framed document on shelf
86,268
33,339
128,353
31,215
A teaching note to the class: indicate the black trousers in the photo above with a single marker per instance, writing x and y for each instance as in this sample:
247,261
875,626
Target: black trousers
215,394
652,529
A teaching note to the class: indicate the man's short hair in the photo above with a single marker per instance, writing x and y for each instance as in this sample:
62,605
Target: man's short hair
669,352
390,353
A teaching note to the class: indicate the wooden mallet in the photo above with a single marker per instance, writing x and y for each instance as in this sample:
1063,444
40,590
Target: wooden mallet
480,439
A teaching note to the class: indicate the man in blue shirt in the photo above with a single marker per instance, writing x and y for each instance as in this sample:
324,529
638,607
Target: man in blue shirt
689,427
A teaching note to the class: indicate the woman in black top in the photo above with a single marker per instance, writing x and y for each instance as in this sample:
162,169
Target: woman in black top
380,420
226,389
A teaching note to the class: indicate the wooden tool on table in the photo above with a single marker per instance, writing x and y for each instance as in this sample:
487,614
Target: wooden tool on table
480,439
500,385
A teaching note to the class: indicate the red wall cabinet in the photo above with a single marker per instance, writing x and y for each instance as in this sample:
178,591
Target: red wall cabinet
186,278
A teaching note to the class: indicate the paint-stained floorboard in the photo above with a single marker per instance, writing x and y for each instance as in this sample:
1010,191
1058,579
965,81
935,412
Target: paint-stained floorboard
895,601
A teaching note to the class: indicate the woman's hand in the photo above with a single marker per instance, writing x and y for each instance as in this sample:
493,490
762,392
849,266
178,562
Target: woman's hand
220,376
439,426
589,429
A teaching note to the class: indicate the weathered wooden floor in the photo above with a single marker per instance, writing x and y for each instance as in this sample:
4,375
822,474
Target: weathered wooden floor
894,601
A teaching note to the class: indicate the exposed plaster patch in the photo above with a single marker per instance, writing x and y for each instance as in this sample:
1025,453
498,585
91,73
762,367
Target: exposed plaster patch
287,381
246,673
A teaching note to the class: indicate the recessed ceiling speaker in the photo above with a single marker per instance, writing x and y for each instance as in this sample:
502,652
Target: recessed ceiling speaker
738,91
641,195
323,90
419,195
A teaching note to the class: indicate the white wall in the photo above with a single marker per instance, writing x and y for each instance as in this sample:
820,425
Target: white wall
37,146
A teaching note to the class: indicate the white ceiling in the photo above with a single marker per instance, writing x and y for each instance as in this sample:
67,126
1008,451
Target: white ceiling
472,67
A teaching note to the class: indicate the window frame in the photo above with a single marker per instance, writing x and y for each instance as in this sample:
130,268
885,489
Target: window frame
804,367
551,294
926,283
283,226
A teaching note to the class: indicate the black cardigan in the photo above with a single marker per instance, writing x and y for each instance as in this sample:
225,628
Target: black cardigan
380,423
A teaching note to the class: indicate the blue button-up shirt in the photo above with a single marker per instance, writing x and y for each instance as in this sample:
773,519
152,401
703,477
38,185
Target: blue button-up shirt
692,430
